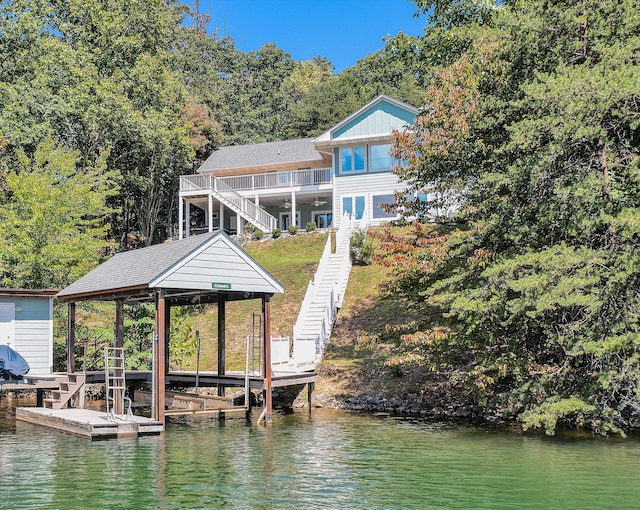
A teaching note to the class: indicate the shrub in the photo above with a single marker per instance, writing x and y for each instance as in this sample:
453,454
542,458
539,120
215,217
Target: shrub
293,229
257,234
311,226
360,248
275,233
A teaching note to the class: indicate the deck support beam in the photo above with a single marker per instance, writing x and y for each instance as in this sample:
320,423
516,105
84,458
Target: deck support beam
71,338
266,359
118,404
180,217
222,340
160,358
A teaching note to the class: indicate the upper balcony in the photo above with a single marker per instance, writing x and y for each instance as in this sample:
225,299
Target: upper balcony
269,180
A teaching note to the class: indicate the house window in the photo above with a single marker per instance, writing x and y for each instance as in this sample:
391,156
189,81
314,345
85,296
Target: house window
380,158
378,202
352,159
353,204
323,219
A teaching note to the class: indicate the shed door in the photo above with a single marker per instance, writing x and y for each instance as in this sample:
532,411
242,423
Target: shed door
7,324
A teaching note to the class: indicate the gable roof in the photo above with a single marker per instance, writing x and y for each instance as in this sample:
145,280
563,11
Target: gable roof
163,266
262,154
384,112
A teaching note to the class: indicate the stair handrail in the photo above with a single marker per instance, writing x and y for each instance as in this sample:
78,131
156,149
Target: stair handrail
254,212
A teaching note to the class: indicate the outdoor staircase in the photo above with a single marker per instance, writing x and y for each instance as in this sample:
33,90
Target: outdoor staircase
226,195
321,303
72,386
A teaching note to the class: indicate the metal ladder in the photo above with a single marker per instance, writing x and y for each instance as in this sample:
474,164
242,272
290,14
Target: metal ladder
115,382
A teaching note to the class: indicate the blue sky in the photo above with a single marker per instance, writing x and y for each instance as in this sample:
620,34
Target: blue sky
343,31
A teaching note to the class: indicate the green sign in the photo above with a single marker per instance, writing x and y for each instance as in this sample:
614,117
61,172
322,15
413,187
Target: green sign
222,286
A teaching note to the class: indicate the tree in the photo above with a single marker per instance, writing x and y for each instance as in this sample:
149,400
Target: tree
535,125
53,219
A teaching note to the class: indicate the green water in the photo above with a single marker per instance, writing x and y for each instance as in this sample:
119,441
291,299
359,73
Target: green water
329,460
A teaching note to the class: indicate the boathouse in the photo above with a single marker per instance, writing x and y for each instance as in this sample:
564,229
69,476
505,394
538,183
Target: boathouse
209,268
26,325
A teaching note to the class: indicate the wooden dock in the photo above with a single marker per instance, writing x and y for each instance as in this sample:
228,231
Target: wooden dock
88,423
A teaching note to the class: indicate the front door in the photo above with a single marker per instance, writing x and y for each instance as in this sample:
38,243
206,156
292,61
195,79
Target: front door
7,324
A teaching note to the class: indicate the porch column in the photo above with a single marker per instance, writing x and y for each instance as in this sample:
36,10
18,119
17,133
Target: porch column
221,216
293,209
266,359
239,224
118,363
71,338
222,341
180,218
210,213
159,368
187,222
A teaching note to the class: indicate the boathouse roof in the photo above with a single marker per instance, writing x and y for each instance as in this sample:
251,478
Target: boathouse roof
208,263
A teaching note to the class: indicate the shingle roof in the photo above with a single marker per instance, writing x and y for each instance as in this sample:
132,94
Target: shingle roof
262,154
135,268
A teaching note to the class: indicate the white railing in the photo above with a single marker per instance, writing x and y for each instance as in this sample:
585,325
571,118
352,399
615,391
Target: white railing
279,350
279,179
304,349
230,197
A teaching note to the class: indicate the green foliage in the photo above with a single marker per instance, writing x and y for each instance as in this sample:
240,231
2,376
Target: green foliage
293,229
533,125
53,218
258,234
276,232
182,345
311,226
361,249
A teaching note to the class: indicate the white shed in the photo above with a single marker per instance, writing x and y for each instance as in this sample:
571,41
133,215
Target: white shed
26,325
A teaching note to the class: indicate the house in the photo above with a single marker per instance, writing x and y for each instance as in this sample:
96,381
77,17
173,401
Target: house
26,325
347,169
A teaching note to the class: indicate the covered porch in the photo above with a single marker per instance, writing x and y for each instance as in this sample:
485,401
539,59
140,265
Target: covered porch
267,201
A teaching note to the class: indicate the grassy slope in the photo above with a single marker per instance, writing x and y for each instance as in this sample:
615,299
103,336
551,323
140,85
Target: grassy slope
354,363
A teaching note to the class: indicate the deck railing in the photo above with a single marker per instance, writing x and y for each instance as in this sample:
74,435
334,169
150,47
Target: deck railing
279,179
228,195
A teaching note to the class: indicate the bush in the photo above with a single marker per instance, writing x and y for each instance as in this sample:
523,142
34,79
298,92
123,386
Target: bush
275,233
257,234
360,249
311,226
293,229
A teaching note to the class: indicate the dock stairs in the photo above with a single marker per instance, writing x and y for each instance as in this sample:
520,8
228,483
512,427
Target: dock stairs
320,306
70,386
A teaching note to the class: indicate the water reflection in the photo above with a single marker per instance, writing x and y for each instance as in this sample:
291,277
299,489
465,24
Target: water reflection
329,460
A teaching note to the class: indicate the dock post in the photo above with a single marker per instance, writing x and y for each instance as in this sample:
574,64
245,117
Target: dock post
310,387
118,404
222,340
266,367
159,369
71,338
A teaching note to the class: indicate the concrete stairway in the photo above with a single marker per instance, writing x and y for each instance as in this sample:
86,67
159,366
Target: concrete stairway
74,384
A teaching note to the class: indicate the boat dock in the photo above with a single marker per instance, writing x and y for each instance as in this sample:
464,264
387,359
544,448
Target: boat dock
89,423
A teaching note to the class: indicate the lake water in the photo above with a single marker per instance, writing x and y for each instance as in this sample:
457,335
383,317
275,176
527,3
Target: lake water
331,459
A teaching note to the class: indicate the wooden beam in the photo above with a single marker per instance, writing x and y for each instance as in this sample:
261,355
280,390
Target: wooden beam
222,340
266,359
71,338
118,404
160,369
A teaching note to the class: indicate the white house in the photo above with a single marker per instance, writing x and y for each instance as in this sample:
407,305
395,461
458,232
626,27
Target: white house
26,325
276,184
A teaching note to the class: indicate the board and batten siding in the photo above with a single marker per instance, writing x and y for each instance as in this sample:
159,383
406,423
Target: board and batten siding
219,266
367,185
380,119
33,332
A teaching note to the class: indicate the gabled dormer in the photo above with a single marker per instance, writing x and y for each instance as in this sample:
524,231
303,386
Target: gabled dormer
360,143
